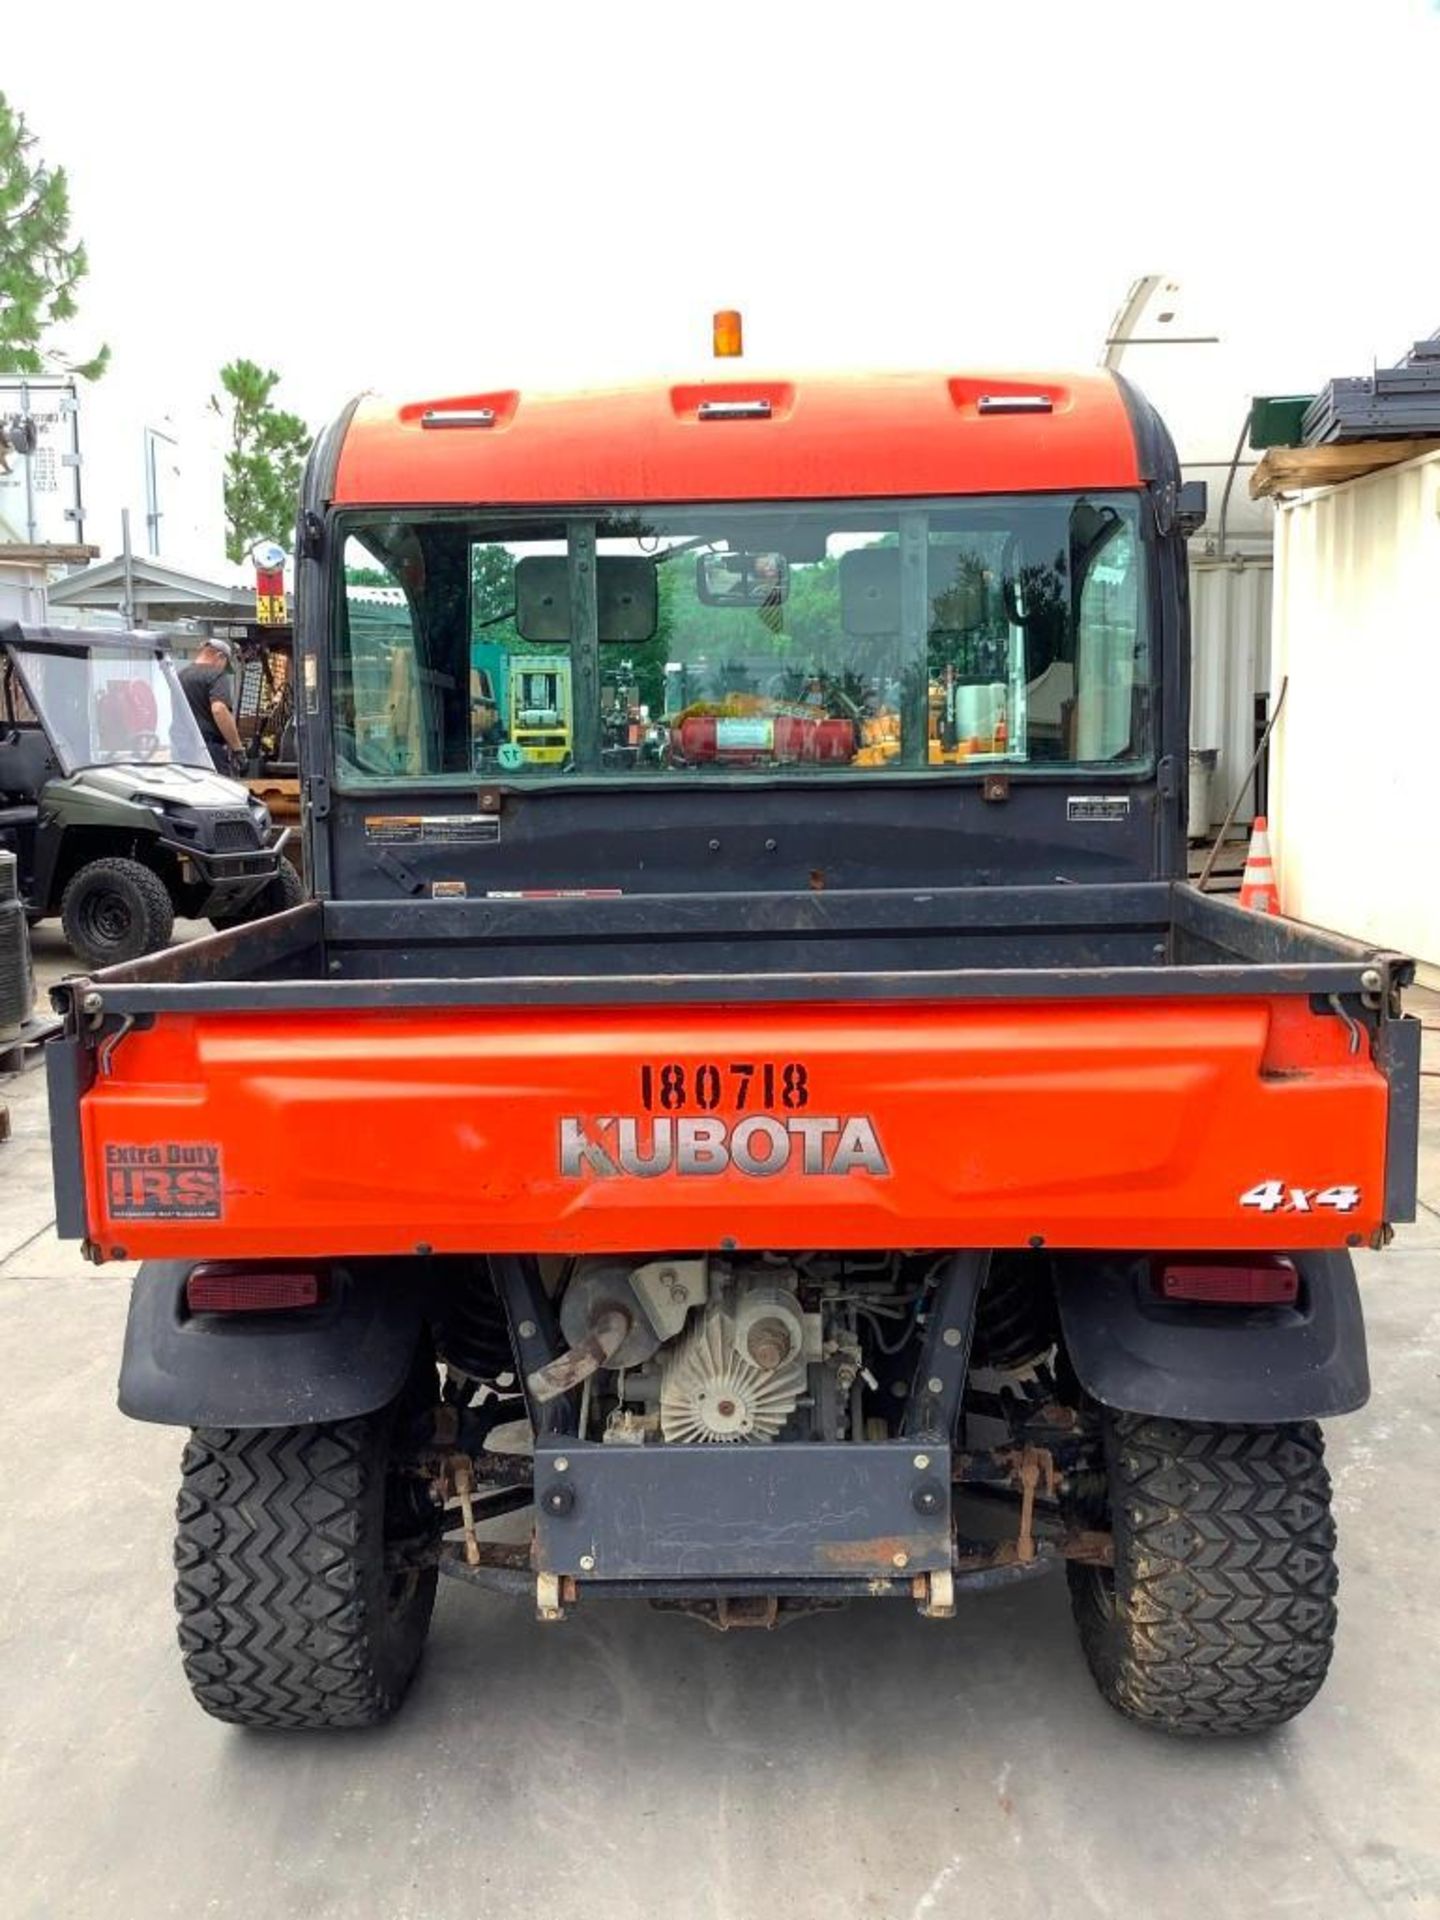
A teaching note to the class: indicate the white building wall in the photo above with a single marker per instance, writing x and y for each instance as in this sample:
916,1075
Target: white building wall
22,593
1355,761
161,457
122,428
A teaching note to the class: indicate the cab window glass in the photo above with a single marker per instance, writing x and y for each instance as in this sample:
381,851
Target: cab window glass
746,640
1037,647
376,671
1110,671
422,679
752,664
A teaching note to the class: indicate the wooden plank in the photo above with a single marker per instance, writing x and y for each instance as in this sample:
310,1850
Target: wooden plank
1290,469
18,554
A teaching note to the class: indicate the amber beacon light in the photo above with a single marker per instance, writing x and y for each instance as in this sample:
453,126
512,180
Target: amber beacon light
728,335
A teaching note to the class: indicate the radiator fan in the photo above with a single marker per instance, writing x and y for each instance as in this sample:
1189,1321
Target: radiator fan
713,1393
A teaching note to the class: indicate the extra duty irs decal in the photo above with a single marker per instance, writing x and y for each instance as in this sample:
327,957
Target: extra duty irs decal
670,1136
171,1180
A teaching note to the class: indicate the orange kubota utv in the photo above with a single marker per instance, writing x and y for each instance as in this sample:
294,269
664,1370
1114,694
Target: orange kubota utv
755,1117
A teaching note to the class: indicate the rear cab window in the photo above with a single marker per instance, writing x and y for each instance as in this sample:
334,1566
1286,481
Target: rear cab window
838,640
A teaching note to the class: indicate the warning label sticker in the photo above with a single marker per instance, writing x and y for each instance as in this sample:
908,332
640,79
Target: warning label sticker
433,829
168,1180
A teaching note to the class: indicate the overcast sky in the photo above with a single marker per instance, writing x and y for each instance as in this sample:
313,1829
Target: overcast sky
432,197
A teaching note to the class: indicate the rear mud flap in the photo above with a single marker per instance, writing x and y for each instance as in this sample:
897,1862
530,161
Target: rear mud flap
1252,1366
337,1362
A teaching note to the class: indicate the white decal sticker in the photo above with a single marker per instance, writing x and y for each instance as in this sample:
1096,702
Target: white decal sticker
1274,1196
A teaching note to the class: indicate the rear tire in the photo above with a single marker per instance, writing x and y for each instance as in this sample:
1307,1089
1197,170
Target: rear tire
289,1614
284,891
1219,1614
116,910
17,992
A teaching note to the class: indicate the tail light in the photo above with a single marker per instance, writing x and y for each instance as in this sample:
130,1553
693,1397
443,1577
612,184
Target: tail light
227,1289
1237,1284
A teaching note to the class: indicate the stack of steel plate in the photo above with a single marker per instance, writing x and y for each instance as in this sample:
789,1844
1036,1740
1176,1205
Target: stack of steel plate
1393,403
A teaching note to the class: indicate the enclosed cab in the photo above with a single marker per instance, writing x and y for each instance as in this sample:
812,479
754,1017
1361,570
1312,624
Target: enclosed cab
795,1138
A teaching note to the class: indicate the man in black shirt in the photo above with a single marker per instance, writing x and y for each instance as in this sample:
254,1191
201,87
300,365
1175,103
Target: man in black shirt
210,689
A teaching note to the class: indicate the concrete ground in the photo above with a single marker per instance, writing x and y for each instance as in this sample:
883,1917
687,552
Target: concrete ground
864,1764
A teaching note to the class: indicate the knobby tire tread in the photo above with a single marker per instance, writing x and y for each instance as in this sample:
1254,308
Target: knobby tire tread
279,1578
1220,1618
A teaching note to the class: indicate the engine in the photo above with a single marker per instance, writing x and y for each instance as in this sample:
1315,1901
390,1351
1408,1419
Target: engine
739,1370
710,1352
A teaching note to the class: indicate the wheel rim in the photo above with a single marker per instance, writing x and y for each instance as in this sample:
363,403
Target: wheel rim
105,917
411,1524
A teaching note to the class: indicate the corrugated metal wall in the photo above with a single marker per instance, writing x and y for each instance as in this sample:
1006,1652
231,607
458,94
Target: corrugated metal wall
1230,665
1355,765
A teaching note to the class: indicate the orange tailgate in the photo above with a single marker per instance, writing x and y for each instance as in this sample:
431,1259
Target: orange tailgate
1192,1123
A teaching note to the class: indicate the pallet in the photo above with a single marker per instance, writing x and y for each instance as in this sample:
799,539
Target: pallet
1292,469
1229,868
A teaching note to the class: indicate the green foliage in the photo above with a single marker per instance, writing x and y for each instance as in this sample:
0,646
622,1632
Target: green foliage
492,598
368,577
39,268
266,458
737,638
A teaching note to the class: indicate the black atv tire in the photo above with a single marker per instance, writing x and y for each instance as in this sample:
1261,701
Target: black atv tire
116,910
289,1614
286,890
17,989
1219,1614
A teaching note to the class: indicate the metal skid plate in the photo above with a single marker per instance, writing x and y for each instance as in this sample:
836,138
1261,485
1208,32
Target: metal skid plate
742,1512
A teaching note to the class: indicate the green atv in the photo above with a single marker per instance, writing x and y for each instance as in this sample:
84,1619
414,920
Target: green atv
111,804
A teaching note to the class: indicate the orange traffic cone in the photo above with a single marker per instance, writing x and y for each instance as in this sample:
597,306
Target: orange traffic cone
1257,883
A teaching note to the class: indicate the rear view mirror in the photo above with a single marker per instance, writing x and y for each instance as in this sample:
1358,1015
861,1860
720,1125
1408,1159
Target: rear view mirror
626,593
1192,505
870,590
742,579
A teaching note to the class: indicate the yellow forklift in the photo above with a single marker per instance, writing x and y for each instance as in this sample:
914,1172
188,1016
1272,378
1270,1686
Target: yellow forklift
540,711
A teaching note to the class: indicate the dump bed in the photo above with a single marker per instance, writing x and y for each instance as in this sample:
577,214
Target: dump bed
1070,1066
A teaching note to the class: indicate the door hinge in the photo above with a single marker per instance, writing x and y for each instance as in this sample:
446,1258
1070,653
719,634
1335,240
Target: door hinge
317,789
1165,777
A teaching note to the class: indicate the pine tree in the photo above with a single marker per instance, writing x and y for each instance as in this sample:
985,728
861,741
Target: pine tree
39,267
267,455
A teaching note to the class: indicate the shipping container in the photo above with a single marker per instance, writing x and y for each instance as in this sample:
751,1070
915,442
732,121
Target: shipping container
1355,768
1230,672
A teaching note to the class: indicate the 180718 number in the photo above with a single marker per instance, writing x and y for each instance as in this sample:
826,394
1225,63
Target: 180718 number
670,1086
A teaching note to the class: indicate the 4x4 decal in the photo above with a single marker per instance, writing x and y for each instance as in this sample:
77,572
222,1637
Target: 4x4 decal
1274,1196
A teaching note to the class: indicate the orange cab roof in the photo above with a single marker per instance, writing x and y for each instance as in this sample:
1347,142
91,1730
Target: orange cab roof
824,436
